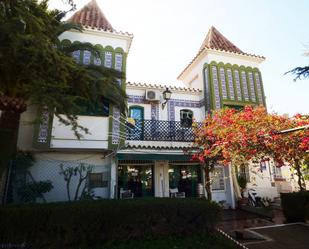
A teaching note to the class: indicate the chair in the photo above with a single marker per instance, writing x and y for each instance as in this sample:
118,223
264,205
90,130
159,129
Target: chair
174,193
126,194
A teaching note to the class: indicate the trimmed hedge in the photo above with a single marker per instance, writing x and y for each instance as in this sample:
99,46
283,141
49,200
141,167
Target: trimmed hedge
68,225
295,206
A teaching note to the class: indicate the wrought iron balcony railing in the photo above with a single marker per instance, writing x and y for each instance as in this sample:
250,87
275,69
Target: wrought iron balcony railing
159,130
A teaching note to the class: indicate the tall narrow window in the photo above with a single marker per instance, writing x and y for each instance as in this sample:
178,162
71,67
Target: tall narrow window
245,85
186,118
216,87
259,87
251,83
118,61
223,83
108,59
237,80
230,83
86,59
97,61
76,55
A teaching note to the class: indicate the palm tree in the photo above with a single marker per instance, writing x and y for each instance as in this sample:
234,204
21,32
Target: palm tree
300,72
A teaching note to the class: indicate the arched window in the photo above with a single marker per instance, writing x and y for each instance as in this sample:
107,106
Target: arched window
186,118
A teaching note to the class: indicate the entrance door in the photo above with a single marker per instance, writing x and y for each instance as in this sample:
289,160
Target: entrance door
185,177
136,178
137,113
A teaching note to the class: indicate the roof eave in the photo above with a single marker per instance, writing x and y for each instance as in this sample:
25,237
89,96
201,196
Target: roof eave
117,34
251,57
135,85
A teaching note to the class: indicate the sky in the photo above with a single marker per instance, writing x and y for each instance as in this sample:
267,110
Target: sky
168,34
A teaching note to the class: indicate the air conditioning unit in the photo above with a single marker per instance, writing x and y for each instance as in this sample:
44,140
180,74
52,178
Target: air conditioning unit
152,95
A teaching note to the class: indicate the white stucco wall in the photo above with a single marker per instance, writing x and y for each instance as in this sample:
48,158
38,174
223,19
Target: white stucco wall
64,137
262,181
47,167
99,37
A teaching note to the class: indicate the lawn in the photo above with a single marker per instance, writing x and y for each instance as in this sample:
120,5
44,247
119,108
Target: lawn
216,241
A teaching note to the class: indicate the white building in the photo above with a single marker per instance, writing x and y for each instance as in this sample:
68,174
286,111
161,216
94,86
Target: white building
148,159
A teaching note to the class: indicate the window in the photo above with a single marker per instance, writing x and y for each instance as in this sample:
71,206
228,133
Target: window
243,171
186,118
98,180
236,107
87,56
99,108
108,59
217,177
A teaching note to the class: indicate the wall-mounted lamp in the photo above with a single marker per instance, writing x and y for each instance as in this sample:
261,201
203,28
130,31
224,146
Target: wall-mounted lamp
166,96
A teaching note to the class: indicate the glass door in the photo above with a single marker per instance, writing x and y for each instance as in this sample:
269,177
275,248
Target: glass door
137,113
185,178
136,178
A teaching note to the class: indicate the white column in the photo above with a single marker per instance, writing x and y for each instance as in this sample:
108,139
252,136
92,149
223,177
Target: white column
161,180
113,183
232,186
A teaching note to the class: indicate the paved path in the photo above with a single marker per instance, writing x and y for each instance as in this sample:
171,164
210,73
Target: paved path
239,220
290,236
272,234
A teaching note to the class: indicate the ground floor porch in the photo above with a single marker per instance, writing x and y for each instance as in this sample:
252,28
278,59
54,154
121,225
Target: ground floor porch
169,174
69,176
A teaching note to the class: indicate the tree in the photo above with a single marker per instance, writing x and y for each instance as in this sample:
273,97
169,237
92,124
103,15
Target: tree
254,135
207,149
37,70
300,72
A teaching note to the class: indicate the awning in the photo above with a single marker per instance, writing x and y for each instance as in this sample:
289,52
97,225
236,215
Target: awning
146,156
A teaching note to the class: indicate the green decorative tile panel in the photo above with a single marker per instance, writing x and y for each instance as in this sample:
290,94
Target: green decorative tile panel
245,85
251,83
230,83
259,87
216,87
223,83
237,82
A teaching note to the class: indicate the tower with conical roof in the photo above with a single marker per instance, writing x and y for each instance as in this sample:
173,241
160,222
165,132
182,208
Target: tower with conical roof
114,46
228,76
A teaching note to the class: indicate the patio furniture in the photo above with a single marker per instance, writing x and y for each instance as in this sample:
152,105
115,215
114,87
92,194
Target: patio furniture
174,193
126,194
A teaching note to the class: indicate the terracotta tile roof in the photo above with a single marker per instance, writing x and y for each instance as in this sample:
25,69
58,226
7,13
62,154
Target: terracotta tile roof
216,41
91,16
175,88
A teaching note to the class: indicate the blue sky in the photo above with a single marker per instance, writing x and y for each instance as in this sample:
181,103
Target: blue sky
168,33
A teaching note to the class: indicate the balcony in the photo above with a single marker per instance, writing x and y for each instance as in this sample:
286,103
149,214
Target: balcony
159,130
63,136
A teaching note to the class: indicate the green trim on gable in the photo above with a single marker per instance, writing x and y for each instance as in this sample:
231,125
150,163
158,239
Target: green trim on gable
229,101
207,96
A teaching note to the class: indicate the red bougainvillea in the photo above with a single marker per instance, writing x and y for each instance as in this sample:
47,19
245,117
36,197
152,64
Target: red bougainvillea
252,134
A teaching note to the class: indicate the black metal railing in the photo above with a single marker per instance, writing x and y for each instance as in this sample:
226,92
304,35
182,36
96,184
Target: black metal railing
159,130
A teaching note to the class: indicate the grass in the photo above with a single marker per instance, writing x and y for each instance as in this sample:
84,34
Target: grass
214,241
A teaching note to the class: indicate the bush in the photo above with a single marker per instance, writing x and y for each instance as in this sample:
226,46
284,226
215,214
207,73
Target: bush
295,206
86,223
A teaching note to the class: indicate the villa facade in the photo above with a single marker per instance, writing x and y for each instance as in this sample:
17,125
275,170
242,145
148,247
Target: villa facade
148,158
